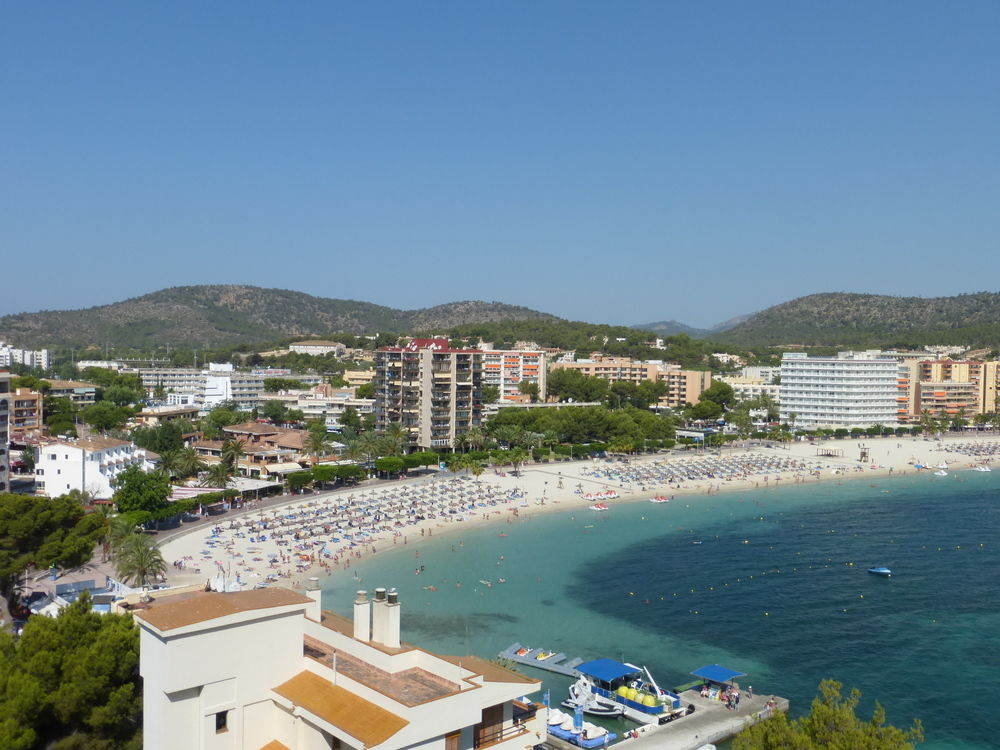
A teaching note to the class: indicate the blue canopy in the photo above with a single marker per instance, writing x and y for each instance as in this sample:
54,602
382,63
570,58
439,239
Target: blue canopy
715,673
605,670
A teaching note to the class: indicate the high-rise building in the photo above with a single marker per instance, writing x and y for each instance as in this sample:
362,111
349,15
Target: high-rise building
845,391
4,431
434,391
506,369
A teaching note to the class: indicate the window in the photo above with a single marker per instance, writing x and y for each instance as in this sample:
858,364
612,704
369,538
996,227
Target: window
220,722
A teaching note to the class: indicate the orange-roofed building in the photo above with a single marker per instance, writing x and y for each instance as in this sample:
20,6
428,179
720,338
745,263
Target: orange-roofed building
268,669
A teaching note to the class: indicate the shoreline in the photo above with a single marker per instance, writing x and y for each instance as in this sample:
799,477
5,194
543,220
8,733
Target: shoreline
323,534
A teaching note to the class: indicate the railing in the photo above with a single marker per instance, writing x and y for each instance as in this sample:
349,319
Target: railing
496,736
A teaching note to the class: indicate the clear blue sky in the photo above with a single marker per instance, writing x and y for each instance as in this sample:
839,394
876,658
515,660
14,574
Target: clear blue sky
617,162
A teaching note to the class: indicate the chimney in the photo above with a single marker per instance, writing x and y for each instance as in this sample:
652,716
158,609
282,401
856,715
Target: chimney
314,611
362,617
392,620
379,616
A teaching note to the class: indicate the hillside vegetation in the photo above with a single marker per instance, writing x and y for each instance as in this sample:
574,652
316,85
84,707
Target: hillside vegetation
212,316
840,319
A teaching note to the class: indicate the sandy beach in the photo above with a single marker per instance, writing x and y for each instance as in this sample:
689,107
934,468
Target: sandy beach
323,533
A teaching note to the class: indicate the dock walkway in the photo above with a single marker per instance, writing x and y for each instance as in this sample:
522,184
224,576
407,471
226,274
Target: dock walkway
555,663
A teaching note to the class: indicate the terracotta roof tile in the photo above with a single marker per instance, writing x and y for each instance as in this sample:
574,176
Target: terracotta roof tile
275,745
208,605
490,672
341,708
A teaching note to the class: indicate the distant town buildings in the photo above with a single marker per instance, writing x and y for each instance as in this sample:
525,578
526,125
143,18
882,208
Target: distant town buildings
81,394
205,388
683,386
325,402
268,670
316,348
434,391
10,355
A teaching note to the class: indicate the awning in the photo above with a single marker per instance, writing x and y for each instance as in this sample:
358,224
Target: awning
715,673
605,670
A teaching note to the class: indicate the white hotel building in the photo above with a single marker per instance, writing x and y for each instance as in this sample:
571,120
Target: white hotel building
267,670
87,465
845,391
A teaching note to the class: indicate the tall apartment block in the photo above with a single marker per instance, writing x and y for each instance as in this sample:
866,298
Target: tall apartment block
844,391
506,369
4,431
432,390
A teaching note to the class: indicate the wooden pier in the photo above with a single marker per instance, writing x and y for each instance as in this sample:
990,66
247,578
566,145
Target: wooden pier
556,663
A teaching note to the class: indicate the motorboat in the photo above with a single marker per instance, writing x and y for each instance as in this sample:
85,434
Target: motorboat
608,688
981,468
600,506
880,571
659,499
940,473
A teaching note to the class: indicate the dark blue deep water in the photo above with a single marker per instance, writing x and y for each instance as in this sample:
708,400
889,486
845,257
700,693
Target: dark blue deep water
772,583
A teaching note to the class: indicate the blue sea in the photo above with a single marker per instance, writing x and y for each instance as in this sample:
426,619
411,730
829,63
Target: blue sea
770,582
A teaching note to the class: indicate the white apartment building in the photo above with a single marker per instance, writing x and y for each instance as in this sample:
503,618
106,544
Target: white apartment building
205,388
268,670
10,355
838,392
87,465
316,348
748,389
506,369
324,402
5,404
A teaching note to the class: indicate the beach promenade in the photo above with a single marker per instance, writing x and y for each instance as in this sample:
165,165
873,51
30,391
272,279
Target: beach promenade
322,533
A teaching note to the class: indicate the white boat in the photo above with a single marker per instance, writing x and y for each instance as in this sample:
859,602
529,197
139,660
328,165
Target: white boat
659,499
940,473
600,506
981,468
608,687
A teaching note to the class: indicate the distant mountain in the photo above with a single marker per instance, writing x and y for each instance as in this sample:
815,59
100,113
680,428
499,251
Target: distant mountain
841,319
673,327
224,315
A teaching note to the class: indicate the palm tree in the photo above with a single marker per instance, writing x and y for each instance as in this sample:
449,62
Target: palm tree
189,463
232,451
138,559
169,461
317,443
476,437
217,475
517,456
397,438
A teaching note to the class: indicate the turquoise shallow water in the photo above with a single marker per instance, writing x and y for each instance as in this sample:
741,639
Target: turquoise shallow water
772,583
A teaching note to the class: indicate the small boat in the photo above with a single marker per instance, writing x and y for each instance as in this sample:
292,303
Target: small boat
659,499
600,506
880,571
940,473
981,468
606,687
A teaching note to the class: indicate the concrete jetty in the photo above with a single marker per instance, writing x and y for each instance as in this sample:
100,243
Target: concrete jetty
556,663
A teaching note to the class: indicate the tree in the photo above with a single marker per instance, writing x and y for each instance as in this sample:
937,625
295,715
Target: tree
121,395
137,560
719,392
40,531
299,479
217,475
365,390
71,681
105,416
188,462
317,441
530,389
831,723
135,490
276,411
389,465
491,394
232,451
350,420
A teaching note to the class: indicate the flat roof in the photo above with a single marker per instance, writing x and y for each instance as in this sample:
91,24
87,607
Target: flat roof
208,605
341,708
715,673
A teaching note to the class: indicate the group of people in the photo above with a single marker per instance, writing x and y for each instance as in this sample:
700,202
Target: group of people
730,695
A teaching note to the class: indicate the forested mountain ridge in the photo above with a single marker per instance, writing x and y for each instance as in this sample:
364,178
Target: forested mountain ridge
844,319
220,315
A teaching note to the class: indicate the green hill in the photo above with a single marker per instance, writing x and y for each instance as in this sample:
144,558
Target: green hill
840,319
212,316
